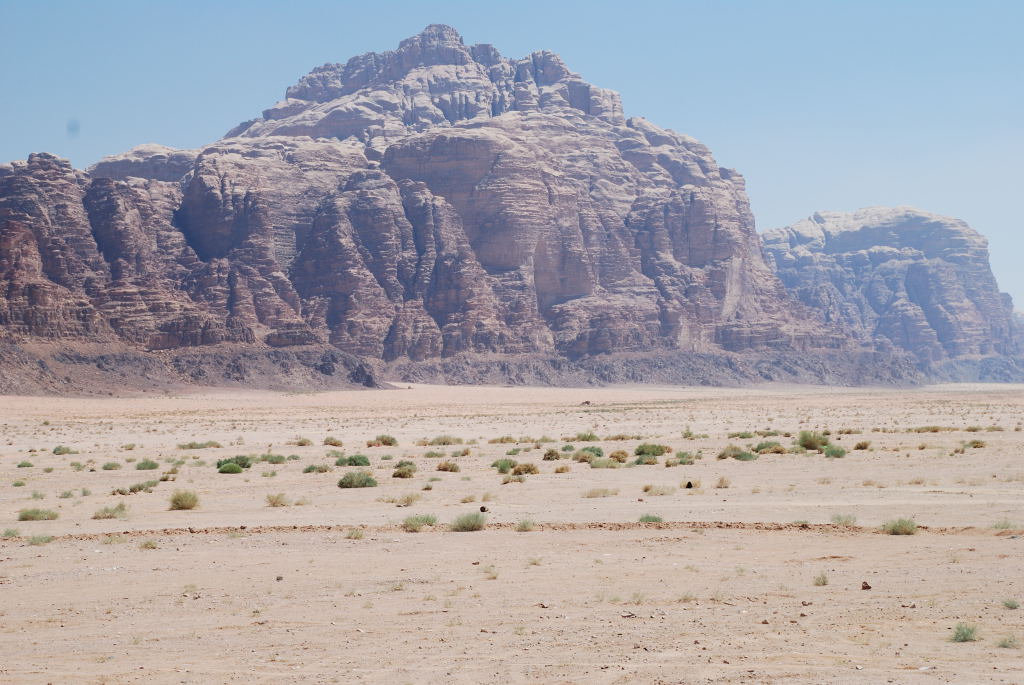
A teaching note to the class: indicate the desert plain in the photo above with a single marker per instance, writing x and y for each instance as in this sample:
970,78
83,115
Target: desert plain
771,567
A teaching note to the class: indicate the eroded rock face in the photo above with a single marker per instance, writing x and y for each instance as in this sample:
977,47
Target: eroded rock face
898,276
436,202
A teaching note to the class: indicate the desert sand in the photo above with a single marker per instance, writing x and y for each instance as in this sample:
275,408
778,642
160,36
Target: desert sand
759,580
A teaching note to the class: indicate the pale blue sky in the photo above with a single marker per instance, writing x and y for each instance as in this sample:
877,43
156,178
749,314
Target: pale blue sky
821,105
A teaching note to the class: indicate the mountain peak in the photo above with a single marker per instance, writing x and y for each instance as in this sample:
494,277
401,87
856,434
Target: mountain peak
434,34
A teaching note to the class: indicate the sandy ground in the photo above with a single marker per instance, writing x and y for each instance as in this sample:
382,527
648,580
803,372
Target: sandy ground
723,590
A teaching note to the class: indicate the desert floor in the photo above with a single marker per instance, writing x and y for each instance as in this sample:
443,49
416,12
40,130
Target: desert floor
755,574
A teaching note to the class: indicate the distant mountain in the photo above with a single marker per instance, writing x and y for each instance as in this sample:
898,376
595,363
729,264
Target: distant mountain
440,212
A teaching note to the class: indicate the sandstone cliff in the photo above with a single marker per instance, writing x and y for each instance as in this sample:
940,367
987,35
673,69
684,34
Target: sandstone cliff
437,211
898,277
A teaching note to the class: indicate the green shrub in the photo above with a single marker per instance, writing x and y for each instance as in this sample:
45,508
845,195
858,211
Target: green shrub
433,454
272,459
650,518
604,464
146,465
404,472
504,465
844,519
40,539
593,449
812,440
357,479
382,441
650,450
10,533
18,484
63,449
583,457
514,451
834,452
184,499
525,526
230,467
568,448
445,440
742,435
964,633
589,436
119,511
469,522
317,468
745,456
37,515
646,460
413,524
199,445
685,458
354,460
332,441
1011,604
241,460
900,527
769,447
25,464
449,466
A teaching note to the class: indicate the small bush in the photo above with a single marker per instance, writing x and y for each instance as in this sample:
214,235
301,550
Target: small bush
552,455
525,526
812,440
199,445
964,632
354,534
63,449
230,467
650,518
834,452
433,454
513,479
241,460
844,519
10,533
272,458
604,464
278,500
413,524
821,579
332,441
445,440
769,447
505,439
357,479
184,500
685,458
525,469
900,527
504,465
37,515
40,539
589,436
599,492
742,435
621,456
404,472
449,466
646,460
146,465
119,511
469,522
564,468
382,441
658,490
18,484
593,449
302,442
722,483
111,466
862,445
650,450
583,457
317,468
975,444
25,464
568,448
1008,643
354,460
1011,604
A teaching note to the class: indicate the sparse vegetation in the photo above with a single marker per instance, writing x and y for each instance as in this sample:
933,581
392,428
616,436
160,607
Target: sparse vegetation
146,465
600,492
821,579
199,445
37,515
525,469
469,522
230,467
354,534
722,483
862,445
119,511
964,632
650,450
357,479
382,441
317,468
812,440
449,466
1011,604
900,527
650,518
413,524
834,452
844,519
184,500
278,500
331,441
525,526
37,540
25,464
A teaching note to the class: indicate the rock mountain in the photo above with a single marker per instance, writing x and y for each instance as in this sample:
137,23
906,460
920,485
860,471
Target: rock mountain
441,212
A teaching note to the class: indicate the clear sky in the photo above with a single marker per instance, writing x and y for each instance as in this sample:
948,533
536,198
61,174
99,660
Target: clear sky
823,104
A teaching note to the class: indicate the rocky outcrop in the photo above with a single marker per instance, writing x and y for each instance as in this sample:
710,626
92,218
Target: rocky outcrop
899,278
430,209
